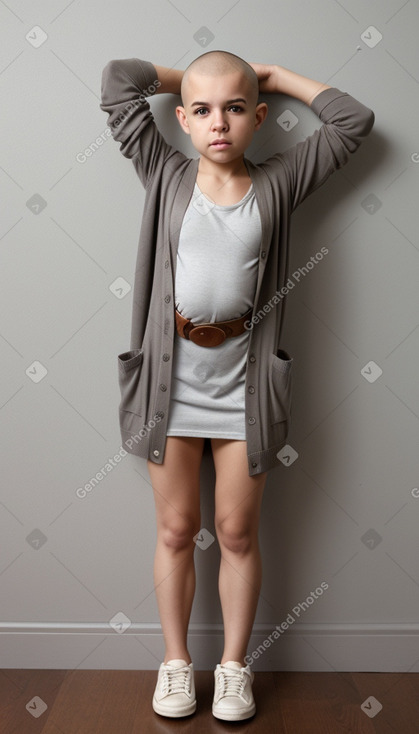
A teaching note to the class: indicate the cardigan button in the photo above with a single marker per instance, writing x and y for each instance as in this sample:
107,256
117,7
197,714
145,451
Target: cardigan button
167,299
163,388
166,264
252,420
252,358
251,389
156,453
263,253
166,357
254,464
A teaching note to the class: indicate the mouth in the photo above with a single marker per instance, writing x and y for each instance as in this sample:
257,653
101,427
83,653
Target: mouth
220,144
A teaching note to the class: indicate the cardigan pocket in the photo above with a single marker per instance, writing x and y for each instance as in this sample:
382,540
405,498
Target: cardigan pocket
129,371
280,386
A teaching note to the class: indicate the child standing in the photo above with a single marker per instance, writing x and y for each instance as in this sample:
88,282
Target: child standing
205,360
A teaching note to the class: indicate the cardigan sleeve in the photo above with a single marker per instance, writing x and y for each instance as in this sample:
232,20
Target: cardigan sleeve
126,83
307,165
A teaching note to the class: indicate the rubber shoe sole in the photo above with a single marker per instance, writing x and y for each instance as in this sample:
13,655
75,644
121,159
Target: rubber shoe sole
236,716
167,711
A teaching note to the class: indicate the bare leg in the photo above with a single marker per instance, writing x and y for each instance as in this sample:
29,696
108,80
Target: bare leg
238,499
176,493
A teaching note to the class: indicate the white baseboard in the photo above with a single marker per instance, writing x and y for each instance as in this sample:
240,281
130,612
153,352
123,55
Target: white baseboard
301,647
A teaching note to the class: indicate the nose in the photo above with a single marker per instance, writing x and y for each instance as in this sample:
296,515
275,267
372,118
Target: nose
219,122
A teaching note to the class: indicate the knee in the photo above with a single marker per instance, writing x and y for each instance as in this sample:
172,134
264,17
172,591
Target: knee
178,534
234,537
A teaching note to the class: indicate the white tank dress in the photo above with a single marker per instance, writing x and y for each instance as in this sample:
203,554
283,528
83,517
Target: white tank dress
216,274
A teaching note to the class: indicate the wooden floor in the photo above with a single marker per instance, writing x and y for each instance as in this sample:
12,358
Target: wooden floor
119,702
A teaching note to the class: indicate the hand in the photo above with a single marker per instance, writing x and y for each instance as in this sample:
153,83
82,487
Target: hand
267,76
274,78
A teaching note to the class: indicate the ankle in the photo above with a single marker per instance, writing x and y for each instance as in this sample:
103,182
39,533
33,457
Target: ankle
236,659
178,656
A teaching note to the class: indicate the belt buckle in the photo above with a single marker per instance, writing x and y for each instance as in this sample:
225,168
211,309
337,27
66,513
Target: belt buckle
207,336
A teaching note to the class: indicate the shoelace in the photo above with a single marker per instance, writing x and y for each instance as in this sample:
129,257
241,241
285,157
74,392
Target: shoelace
231,682
176,681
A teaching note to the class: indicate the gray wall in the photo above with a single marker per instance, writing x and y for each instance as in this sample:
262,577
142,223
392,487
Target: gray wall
345,512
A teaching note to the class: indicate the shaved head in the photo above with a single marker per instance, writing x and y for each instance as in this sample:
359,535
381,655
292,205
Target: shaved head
219,63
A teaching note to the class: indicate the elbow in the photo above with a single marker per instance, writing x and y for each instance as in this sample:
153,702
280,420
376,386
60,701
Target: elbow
104,86
108,71
109,78
369,122
110,67
363,127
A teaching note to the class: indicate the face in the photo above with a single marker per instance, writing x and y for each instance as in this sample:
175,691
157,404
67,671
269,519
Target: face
224,111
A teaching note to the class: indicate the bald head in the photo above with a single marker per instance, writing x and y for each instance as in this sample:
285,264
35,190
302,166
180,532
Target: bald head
218,64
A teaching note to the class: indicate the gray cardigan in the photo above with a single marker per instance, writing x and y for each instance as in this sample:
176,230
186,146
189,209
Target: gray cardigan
281,183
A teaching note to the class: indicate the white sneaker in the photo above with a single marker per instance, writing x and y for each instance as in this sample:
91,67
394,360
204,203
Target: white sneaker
233,697
175,690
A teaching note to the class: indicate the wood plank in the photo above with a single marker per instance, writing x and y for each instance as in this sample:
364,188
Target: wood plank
17,689
119,702
398,693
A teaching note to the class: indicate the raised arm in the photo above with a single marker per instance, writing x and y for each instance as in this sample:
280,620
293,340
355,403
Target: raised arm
126,84
170,79
278,79
272,78
310,162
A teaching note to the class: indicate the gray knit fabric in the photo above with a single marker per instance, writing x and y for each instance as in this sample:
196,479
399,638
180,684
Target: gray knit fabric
216,272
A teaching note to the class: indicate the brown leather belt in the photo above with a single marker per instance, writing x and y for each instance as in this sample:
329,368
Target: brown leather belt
210,334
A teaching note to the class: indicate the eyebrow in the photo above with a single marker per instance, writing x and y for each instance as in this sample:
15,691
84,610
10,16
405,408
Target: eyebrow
229,101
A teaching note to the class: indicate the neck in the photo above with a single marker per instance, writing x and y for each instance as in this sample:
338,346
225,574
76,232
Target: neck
222,171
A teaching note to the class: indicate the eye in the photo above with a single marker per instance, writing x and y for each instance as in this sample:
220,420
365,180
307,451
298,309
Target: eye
235,107
200,109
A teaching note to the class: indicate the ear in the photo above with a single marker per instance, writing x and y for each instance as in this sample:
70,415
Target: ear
261,113
183,121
